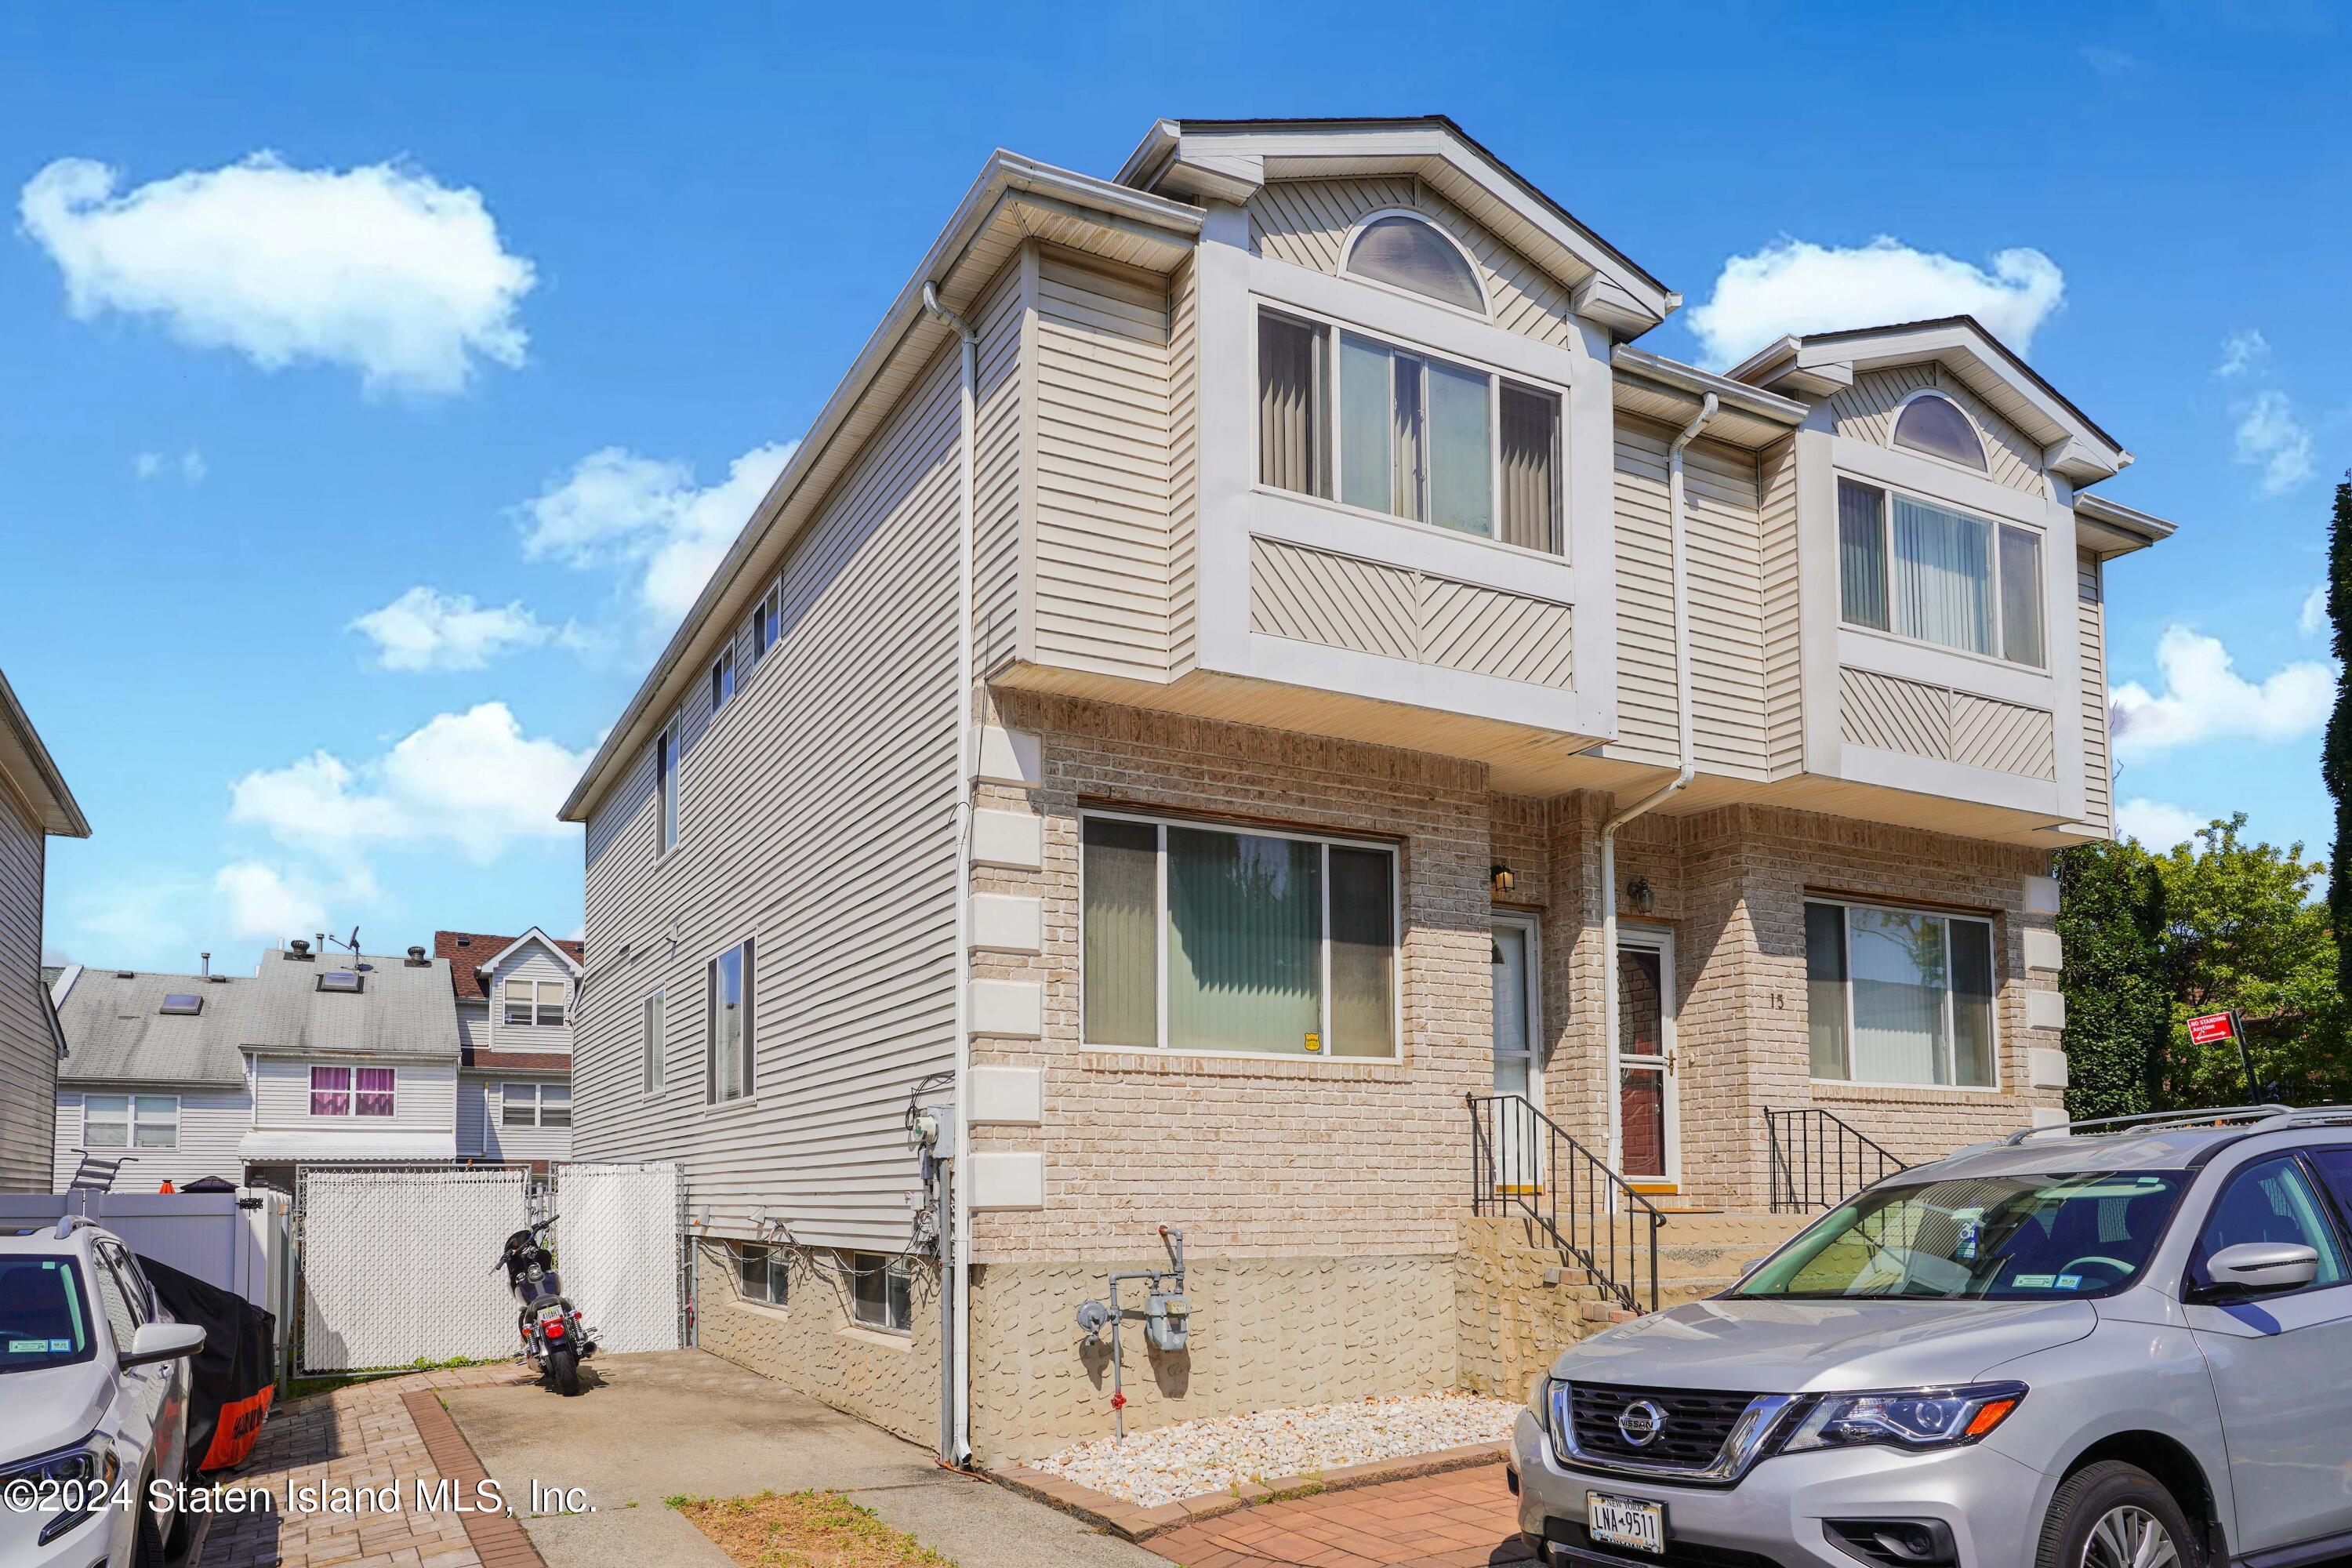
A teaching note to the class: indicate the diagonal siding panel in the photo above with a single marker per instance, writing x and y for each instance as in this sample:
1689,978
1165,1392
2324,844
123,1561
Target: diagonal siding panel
2003,736
1487,632
1313,595
1894,715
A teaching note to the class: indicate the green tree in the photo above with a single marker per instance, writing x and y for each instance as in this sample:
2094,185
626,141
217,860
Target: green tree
2336,759
2118,1003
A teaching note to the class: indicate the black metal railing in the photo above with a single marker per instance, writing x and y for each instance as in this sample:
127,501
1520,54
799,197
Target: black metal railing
1524,1163
1818,1161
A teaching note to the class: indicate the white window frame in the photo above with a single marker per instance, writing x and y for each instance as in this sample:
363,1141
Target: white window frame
767,623
1160,933
722,679
670,820
1984,445
537,1004
1951,1029
351,1092
1995,522
130,1119
1332,328
748,947
857,1264
531,1092
1469,258
778,1272
653,1027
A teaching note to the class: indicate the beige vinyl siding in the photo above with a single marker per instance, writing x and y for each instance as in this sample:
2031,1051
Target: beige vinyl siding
1183,467
213,1123
424,1095
1722,533
1783,627
1102,467
1866,411
1307,221
2091,628
28,1051
816,818
997,481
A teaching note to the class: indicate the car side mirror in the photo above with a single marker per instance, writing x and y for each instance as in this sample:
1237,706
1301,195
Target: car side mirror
2262,1267
164,1342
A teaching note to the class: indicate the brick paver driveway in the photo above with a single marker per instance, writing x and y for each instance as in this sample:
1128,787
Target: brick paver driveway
366,1436
1456,1520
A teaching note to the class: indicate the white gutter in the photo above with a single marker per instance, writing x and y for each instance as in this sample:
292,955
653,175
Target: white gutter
955,1265
1685,749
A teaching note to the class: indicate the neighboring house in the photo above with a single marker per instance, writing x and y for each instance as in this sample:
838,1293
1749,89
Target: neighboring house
312,1059
515,996
1383,685
34,804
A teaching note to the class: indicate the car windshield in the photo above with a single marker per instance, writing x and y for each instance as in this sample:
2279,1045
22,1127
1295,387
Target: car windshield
43,1321
2002,1238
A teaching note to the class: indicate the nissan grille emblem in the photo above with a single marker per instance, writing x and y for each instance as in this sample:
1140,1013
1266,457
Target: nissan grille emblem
1640,1423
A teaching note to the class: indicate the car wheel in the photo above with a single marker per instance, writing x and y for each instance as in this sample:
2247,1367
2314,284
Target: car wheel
147,1540
565,1367
2113,1515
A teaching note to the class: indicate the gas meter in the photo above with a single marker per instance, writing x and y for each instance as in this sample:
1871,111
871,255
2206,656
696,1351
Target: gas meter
1165,1321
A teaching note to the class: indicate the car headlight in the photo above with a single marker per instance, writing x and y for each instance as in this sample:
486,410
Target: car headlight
75,1482
1905,1417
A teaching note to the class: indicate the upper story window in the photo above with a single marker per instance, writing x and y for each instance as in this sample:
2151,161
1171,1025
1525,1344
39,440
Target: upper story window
534,1002
764,623
353,1092
1407,433
1936,425
666,785
1198,938
727,1024
534,1105
1415,254
131,1121
722,679
649,1042
1924,571
1899,995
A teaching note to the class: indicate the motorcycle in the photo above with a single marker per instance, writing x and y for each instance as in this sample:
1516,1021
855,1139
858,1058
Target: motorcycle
550,1325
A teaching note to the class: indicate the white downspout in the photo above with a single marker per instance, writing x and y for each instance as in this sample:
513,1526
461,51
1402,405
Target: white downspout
958,1240
1685,750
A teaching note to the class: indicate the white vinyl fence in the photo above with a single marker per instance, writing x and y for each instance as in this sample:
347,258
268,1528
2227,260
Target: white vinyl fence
617,1246
210,1236
399,1266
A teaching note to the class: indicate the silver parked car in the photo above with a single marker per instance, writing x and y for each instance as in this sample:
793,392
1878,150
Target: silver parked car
2103,1346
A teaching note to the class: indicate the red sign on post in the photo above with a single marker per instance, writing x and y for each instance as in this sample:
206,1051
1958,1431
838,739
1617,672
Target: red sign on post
2212,1026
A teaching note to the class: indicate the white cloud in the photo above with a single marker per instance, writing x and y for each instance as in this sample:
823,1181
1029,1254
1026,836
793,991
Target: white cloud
2272,438
1795,286
2157,824
189,465
425,629
616,507
472,780
380,268
265,904
2241,350
2205,698
2312,619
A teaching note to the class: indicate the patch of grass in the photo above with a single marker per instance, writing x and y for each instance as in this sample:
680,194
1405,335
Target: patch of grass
803,1529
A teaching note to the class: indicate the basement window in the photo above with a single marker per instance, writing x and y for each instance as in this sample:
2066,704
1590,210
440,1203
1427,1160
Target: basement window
882,1292
182,1003
762,1273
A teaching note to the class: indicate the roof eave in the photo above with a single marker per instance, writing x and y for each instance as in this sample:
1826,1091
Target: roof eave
26,761
2110,528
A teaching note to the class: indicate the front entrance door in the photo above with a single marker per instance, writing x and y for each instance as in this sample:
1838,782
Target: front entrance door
1515,1052
1645,1057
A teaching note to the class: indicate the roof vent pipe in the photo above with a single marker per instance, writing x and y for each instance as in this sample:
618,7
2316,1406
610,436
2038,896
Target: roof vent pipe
416,957
1686,753
298,950
207,970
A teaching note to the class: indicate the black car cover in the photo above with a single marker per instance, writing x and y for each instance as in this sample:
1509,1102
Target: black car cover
233,1378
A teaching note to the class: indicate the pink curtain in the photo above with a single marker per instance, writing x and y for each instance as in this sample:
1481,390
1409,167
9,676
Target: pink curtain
330,1091
375,1091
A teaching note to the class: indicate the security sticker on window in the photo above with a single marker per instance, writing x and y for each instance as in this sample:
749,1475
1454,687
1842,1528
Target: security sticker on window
2070,1281
1314,1041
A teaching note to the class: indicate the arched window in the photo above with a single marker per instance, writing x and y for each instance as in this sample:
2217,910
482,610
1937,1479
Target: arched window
1412,253
1933,424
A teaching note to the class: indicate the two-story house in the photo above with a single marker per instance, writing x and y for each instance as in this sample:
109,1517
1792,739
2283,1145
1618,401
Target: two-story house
514,997
1252,659
35,805
312,1059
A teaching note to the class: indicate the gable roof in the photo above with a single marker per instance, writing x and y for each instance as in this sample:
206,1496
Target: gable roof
1228,160
29,773
1819,363
468,954
116,1030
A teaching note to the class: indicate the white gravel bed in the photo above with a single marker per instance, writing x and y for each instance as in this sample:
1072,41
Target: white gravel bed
1215,1455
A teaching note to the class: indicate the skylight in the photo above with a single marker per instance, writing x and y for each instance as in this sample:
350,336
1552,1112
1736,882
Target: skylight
339,980
184,1003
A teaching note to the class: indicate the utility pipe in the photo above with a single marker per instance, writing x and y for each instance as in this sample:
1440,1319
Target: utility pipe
1685,750
955,1270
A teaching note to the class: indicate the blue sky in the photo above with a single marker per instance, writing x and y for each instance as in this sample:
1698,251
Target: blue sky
524,312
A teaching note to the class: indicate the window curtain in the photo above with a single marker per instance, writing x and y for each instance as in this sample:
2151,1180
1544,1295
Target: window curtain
2020,596
376,1090
330,1091
1120,971
554,1105
1861,556
1289,405
155,1122
1245,918
1409,430
1825,989
1366,409
1943,576
1363,954
1899,979
1972,1039
1531,489
1461,451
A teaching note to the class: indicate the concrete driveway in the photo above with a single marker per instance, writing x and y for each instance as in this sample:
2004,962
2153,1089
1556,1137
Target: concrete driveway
686,1423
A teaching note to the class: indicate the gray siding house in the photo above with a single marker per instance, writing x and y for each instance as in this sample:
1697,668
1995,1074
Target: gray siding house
515,996
35,805
1254,668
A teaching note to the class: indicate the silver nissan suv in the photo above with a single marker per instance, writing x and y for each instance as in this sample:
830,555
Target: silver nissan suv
2109,1346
